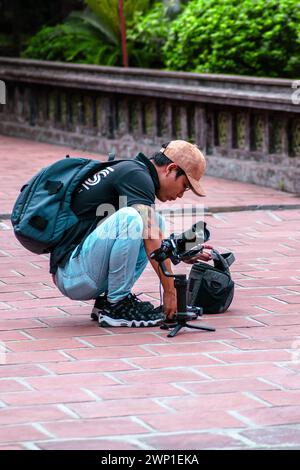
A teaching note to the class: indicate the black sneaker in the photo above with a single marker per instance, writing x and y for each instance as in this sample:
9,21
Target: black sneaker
100,303
130,312
98,306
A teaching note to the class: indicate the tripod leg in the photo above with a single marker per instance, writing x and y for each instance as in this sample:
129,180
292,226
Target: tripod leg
206,328
175,331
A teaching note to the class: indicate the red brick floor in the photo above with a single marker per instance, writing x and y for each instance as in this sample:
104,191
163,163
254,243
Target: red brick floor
67,384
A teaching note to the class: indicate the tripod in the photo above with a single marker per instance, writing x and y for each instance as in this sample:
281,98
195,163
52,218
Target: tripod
182,316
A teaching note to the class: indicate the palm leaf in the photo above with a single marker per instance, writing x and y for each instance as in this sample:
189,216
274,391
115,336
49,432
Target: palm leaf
97,23
107,12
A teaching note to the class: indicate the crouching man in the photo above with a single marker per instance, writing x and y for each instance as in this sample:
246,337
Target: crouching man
105,264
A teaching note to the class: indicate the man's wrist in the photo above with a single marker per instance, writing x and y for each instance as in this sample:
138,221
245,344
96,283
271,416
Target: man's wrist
170,290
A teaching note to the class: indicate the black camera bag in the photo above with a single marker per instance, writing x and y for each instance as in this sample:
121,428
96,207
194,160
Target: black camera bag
211,287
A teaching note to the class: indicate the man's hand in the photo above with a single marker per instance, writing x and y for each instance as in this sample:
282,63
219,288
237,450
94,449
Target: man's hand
203,256
170,303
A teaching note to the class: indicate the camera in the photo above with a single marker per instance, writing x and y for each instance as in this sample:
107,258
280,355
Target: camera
179,247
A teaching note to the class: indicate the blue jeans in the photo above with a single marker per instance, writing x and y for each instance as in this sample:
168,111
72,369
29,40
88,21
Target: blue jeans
112,258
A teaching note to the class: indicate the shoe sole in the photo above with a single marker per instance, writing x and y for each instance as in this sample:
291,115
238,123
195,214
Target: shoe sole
105,321
96,312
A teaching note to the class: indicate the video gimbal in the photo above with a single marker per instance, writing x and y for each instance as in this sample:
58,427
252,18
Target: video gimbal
175,248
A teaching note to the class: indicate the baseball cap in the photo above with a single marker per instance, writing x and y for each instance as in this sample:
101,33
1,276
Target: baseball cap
189,158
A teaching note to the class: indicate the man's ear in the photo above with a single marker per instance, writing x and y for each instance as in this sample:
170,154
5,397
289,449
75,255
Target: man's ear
171,167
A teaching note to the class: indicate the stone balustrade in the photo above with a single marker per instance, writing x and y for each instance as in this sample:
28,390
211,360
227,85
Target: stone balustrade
248,128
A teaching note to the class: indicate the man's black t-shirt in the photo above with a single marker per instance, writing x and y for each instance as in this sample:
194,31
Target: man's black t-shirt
124,184
119,185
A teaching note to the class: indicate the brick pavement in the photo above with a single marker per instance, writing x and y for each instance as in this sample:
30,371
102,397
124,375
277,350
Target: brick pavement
67,384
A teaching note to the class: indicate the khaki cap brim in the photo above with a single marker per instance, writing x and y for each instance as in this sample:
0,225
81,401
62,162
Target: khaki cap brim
196,186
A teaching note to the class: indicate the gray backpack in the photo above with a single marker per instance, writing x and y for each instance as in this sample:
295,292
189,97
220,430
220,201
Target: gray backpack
211,287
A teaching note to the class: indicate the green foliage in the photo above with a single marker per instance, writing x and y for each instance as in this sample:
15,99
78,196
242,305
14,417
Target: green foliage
148,33
245,37
71,42
91,37
107,12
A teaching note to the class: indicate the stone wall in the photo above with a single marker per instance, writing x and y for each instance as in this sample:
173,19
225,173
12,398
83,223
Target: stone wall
249,128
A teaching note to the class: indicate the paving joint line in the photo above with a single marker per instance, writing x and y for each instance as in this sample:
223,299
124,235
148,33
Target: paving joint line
215,209
224,209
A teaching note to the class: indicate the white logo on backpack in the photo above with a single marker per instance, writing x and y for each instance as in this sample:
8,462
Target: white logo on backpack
96,178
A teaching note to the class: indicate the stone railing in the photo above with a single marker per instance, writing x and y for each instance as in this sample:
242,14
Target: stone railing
249,128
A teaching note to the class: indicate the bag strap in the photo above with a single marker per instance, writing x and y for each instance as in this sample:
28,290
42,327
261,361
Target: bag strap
222,261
